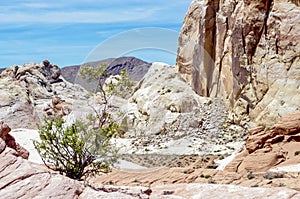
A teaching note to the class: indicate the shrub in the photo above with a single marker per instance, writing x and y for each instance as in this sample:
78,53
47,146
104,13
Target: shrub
207,176
71,151
84,149
250,175
297,153
212,166
272,175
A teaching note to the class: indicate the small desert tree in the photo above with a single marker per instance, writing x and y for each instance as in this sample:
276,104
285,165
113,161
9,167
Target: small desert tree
123,88
67,149
84,149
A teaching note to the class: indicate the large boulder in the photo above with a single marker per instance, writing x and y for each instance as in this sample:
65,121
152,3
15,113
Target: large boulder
270,147
160,99
165,115
246,52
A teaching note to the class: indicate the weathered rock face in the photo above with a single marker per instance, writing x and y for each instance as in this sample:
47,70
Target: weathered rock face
166,115
246,52
9,141
265,149
25,92
58,107
20,179
161,98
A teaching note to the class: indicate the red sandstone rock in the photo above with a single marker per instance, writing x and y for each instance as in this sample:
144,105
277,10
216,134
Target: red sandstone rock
10,141
271,147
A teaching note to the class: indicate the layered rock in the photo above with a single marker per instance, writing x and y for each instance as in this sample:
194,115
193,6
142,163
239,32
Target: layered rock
270,147
244,51
175,179
20,179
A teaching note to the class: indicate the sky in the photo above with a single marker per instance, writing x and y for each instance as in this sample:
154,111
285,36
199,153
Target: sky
75,31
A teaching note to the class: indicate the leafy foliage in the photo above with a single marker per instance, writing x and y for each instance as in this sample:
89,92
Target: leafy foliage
123,87
69,150
84,149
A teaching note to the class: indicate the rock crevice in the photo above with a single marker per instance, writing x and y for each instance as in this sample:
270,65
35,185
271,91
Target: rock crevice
243,51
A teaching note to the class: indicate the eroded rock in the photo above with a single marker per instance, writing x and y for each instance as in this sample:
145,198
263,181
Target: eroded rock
267,148
9,141
30,92
246,52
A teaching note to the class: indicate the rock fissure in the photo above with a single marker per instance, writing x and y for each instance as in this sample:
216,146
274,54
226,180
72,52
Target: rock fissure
250,50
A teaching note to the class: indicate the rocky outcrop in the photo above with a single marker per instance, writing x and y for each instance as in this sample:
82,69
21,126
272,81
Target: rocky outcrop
58,108
161,98
25,91
246,52
165,112
276,146
9,141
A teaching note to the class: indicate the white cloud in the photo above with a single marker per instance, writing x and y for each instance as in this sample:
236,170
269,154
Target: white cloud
33,5
106,16
88,11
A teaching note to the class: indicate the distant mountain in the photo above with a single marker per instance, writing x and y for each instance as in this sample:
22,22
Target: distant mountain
136,68
70,72
1,69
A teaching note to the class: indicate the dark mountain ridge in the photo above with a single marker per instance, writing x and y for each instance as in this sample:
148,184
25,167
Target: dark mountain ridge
136,68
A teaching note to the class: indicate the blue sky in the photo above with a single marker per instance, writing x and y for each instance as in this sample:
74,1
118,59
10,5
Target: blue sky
68,32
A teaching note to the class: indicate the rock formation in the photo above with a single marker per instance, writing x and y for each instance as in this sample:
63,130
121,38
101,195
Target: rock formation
26,90
58,107
246,52
162,94
164,108
9,141
266,148
20,178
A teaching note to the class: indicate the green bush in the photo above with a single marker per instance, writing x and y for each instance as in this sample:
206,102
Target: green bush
207,176
84,149
76,150
272,175
250,175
